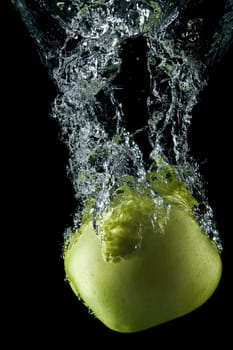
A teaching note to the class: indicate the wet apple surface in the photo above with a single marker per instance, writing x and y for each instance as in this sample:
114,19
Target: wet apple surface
148,264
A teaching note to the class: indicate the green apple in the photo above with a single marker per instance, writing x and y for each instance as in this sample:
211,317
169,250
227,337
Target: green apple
150,262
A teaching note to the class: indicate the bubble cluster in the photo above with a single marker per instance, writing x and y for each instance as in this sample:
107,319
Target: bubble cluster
81,43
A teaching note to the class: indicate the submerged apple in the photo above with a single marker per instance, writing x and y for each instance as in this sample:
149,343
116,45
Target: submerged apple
150,262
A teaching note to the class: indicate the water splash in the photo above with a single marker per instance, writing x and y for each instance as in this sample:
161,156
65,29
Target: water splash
82,43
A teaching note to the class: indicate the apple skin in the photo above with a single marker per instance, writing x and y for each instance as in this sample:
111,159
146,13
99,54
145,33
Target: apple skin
172,273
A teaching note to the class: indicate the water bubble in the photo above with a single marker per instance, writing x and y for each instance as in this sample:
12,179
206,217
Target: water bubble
90,312
60,5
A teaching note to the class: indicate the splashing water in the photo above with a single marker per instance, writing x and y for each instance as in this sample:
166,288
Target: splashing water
82,43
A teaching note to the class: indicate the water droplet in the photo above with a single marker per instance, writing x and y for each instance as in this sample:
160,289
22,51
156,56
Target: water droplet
90,312
60,5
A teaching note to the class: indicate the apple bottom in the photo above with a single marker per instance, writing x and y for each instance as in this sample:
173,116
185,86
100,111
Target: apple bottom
171,274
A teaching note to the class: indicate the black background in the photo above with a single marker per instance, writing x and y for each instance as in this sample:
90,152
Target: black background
39,201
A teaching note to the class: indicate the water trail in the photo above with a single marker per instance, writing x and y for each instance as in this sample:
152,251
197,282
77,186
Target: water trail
81,42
